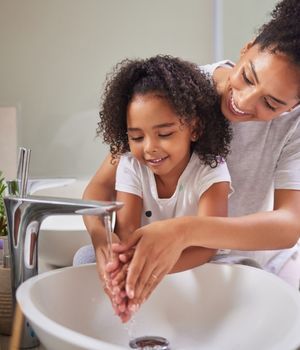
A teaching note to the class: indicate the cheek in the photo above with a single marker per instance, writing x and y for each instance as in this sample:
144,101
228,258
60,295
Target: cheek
134,149
266,115
235,81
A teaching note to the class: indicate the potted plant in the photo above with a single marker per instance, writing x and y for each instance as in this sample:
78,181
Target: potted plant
3,224
6,306
3,191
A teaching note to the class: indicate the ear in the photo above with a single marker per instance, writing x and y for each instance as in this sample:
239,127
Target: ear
195,134
245,48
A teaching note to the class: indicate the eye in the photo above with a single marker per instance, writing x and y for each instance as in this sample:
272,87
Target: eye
268,105
136,139
246,79
166,135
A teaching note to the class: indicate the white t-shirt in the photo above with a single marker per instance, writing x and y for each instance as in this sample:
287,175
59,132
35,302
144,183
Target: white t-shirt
136,178
264,156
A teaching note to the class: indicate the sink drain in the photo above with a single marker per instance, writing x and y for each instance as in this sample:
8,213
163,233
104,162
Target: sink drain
150,343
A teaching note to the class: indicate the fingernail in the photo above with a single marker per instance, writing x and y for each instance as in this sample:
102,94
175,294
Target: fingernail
134,307
130,293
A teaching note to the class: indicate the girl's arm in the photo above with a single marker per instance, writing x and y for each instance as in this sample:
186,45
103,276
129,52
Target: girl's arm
101,187
213,202
129,216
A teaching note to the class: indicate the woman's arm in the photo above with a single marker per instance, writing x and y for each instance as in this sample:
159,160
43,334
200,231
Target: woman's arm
277,229
213,202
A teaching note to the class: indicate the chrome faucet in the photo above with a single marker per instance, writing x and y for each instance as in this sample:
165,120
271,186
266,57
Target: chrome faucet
24,217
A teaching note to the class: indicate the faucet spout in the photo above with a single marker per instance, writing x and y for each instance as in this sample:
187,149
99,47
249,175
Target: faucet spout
24,217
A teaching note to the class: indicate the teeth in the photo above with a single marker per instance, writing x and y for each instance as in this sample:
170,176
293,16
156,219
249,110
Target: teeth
234,107
156,160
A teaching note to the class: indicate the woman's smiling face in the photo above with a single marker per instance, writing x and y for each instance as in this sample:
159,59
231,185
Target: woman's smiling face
260,87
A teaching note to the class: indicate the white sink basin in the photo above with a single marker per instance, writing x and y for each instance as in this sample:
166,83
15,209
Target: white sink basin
60,238
213,307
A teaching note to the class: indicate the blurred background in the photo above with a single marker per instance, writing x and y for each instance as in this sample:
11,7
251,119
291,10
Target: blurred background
55,55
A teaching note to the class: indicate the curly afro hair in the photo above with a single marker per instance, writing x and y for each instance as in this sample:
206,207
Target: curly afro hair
282,33
189,92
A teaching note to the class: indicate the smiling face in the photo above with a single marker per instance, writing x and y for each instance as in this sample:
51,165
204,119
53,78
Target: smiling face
157,137
260,87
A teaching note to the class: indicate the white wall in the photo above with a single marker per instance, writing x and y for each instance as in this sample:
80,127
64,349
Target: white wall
241,21
54,57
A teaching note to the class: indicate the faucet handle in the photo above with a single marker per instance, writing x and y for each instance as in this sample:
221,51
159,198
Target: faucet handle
23,169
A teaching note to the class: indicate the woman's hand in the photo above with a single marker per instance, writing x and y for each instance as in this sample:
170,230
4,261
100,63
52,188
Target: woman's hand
158,246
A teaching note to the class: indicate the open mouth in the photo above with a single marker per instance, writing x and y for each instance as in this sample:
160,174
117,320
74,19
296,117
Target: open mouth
156,161
234,108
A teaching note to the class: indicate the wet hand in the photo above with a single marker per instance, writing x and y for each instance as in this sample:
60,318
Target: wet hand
157,248
102,259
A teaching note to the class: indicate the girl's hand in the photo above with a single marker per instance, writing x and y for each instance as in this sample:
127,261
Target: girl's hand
118,281
102,259
158,247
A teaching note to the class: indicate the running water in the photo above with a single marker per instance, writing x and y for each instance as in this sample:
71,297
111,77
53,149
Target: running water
130,327
108,230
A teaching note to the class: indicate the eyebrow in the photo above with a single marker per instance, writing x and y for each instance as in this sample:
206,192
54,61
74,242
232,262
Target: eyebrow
158,126
257,81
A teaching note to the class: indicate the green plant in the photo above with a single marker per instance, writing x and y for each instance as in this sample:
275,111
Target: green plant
3,225
14,190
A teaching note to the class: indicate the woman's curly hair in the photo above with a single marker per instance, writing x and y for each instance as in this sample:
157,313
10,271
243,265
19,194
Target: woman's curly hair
282,33
190,93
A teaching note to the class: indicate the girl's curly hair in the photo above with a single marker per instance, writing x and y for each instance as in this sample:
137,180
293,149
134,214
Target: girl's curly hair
190,93
282,33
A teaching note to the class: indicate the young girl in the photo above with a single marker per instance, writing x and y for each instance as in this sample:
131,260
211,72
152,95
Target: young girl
260,96
162,116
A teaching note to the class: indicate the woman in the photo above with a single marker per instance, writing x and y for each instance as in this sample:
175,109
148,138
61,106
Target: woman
260,97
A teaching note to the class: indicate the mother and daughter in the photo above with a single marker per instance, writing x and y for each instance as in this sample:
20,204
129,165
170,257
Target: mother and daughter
170,126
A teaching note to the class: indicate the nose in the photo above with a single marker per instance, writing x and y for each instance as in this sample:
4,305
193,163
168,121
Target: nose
150,145
246,99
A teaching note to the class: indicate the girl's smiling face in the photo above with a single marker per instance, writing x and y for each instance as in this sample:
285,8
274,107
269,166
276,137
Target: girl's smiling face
157,137
260,87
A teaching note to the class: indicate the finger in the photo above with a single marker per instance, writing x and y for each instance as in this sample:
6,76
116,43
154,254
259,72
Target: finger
125,316
129,244
127,256
150,286
145,283
119,287
120,276
134,270
112,266
134,305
